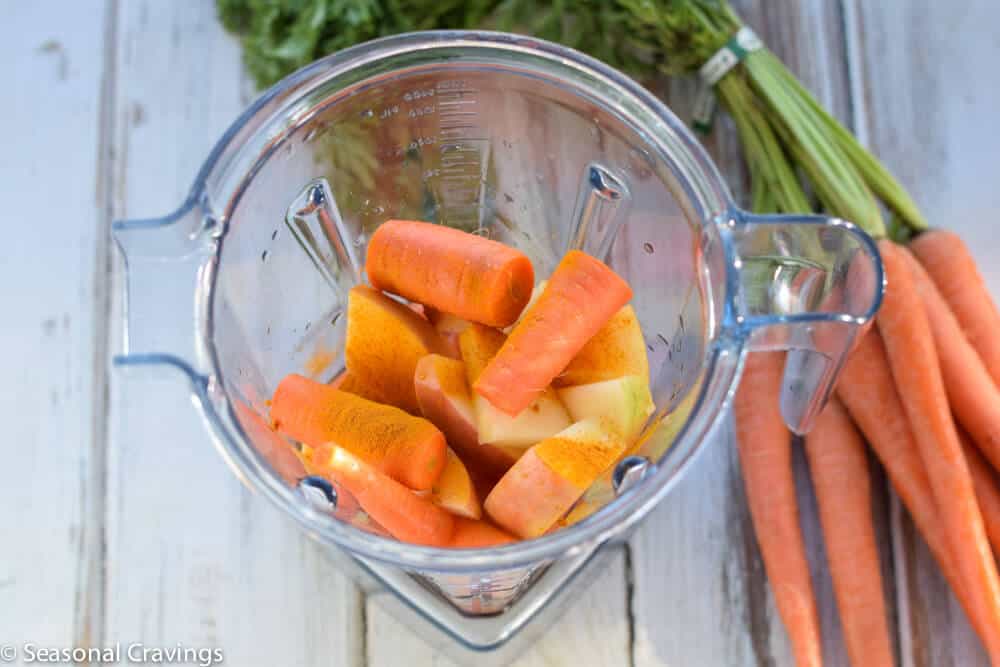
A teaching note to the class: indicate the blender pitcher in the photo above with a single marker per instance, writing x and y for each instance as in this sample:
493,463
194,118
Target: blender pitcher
525,142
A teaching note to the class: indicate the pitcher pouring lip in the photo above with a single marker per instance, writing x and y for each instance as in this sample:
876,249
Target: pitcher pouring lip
564,150
806,284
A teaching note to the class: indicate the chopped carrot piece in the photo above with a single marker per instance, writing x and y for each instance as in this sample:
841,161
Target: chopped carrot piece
405,515
579,299
450,270
409,449
472,534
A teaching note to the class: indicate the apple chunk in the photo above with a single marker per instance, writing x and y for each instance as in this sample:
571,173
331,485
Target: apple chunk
615,351
385,340
622,404
444,401
551,476
449,328
543,418
454,490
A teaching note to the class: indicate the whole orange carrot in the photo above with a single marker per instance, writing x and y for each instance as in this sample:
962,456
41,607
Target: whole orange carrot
953,269
984,479
909,343
453,271
765,449
579,298
868,391
972,394
838,464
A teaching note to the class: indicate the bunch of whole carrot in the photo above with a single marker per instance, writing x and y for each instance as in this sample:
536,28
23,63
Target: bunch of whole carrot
923,387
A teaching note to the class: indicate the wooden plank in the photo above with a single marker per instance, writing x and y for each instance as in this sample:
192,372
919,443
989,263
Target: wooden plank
54,300
594,631
194,558
700,592
924,73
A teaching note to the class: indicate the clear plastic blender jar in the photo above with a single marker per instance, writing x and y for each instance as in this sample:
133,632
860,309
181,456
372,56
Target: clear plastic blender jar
525,142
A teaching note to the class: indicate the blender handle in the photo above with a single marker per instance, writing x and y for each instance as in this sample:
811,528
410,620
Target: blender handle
167,260
807,284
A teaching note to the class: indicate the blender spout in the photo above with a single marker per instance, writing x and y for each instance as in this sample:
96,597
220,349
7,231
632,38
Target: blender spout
806,284
167,260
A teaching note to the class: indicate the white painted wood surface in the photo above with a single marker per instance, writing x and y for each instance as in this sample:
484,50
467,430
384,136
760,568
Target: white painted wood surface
193,557
54,318
121,522
596,631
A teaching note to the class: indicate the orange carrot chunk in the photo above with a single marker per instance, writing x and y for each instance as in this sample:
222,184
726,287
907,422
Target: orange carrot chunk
953,269
409,449
579,298
765,450
472,534
902,321
838,464
405,515
868,391
972,394
450,270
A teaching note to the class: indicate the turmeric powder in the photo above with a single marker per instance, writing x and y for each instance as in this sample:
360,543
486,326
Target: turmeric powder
615,351
579,457
360,386
409,449
385,340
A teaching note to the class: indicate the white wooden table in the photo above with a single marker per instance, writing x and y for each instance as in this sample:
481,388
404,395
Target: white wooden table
119,521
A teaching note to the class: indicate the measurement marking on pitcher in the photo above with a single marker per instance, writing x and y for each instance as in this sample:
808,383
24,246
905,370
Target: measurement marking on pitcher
462,155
